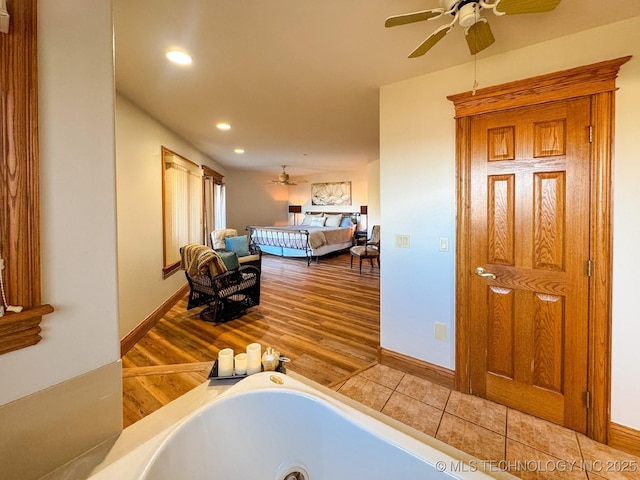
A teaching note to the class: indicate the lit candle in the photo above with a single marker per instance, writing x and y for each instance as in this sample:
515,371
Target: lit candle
254,358
241,364
225,362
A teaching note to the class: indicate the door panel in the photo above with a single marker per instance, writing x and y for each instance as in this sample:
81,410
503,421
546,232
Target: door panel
530,228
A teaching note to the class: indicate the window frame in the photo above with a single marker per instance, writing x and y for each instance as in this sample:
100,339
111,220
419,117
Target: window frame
169,268
19,179
210,206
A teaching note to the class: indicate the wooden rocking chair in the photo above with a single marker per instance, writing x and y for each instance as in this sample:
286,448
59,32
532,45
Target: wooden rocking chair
228,294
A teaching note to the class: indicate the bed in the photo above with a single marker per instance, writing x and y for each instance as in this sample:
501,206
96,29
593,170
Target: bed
319,234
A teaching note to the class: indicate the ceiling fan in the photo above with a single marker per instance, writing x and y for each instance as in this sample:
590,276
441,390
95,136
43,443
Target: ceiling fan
283,178
468,14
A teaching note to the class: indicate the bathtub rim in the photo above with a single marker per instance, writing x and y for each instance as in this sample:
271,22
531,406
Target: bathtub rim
137,445
348,408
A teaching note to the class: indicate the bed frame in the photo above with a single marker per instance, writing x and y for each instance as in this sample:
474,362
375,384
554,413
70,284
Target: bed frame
288,242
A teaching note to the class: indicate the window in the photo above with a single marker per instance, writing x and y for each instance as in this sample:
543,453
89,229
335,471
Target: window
215,206
182,207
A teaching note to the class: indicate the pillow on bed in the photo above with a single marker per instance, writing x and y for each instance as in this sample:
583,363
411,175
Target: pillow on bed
318,222
240,245
333,220
308,218
346,222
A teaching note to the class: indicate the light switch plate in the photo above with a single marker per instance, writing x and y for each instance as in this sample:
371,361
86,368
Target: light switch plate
403,241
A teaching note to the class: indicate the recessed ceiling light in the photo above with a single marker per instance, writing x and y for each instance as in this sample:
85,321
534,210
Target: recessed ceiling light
179,57
223,126
239,150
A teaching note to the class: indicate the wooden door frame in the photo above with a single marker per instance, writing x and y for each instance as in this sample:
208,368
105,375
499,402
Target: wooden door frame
597,81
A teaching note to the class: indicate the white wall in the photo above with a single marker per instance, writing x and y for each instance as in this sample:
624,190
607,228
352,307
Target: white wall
418,170
139,191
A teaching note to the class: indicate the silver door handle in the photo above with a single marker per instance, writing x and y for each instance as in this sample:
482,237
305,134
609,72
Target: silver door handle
481,272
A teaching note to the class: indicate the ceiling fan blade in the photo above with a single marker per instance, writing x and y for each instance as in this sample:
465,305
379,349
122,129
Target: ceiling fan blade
515,7
412,17
479,36
434,38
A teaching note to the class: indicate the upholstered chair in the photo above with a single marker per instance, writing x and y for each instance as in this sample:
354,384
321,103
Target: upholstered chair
370,250
227,239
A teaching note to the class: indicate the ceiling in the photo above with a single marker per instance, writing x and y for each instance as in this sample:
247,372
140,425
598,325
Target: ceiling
298,80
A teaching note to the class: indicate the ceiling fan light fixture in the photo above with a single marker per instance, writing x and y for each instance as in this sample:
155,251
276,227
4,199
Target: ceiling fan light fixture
469,14
283,179
466,13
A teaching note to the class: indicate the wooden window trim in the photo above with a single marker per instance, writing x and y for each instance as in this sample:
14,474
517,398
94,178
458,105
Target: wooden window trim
19,179
169,269
209,172
597,81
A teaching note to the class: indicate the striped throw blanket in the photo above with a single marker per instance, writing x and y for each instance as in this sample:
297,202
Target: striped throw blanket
196,259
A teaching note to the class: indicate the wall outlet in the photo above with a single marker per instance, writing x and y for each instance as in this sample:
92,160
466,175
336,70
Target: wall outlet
440,331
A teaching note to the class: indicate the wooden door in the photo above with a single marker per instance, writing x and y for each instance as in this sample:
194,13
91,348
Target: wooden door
529,232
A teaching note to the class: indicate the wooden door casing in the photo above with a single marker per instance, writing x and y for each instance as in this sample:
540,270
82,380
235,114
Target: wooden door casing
530,227
597,81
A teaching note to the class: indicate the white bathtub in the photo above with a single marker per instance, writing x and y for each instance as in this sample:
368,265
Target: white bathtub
259,429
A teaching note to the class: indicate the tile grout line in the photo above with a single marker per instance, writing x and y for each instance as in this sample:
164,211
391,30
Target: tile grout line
442,414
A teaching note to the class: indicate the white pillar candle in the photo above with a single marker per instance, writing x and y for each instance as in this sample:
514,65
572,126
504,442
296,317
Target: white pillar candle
225,362
254,358
241,364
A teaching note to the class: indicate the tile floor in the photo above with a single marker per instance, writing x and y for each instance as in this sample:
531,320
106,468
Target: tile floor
528,447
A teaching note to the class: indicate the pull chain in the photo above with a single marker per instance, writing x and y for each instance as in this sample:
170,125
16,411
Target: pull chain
475,74
475,60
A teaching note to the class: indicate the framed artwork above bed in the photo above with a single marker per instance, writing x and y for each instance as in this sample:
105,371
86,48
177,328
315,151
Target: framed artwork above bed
331,193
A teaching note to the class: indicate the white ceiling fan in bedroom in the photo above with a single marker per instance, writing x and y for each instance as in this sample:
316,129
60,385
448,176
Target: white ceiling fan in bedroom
283,178
468,14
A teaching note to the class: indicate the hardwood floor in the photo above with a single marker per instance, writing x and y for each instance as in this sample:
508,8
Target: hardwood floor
325,317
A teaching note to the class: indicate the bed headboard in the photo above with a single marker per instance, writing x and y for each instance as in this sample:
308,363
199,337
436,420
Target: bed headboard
355,216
